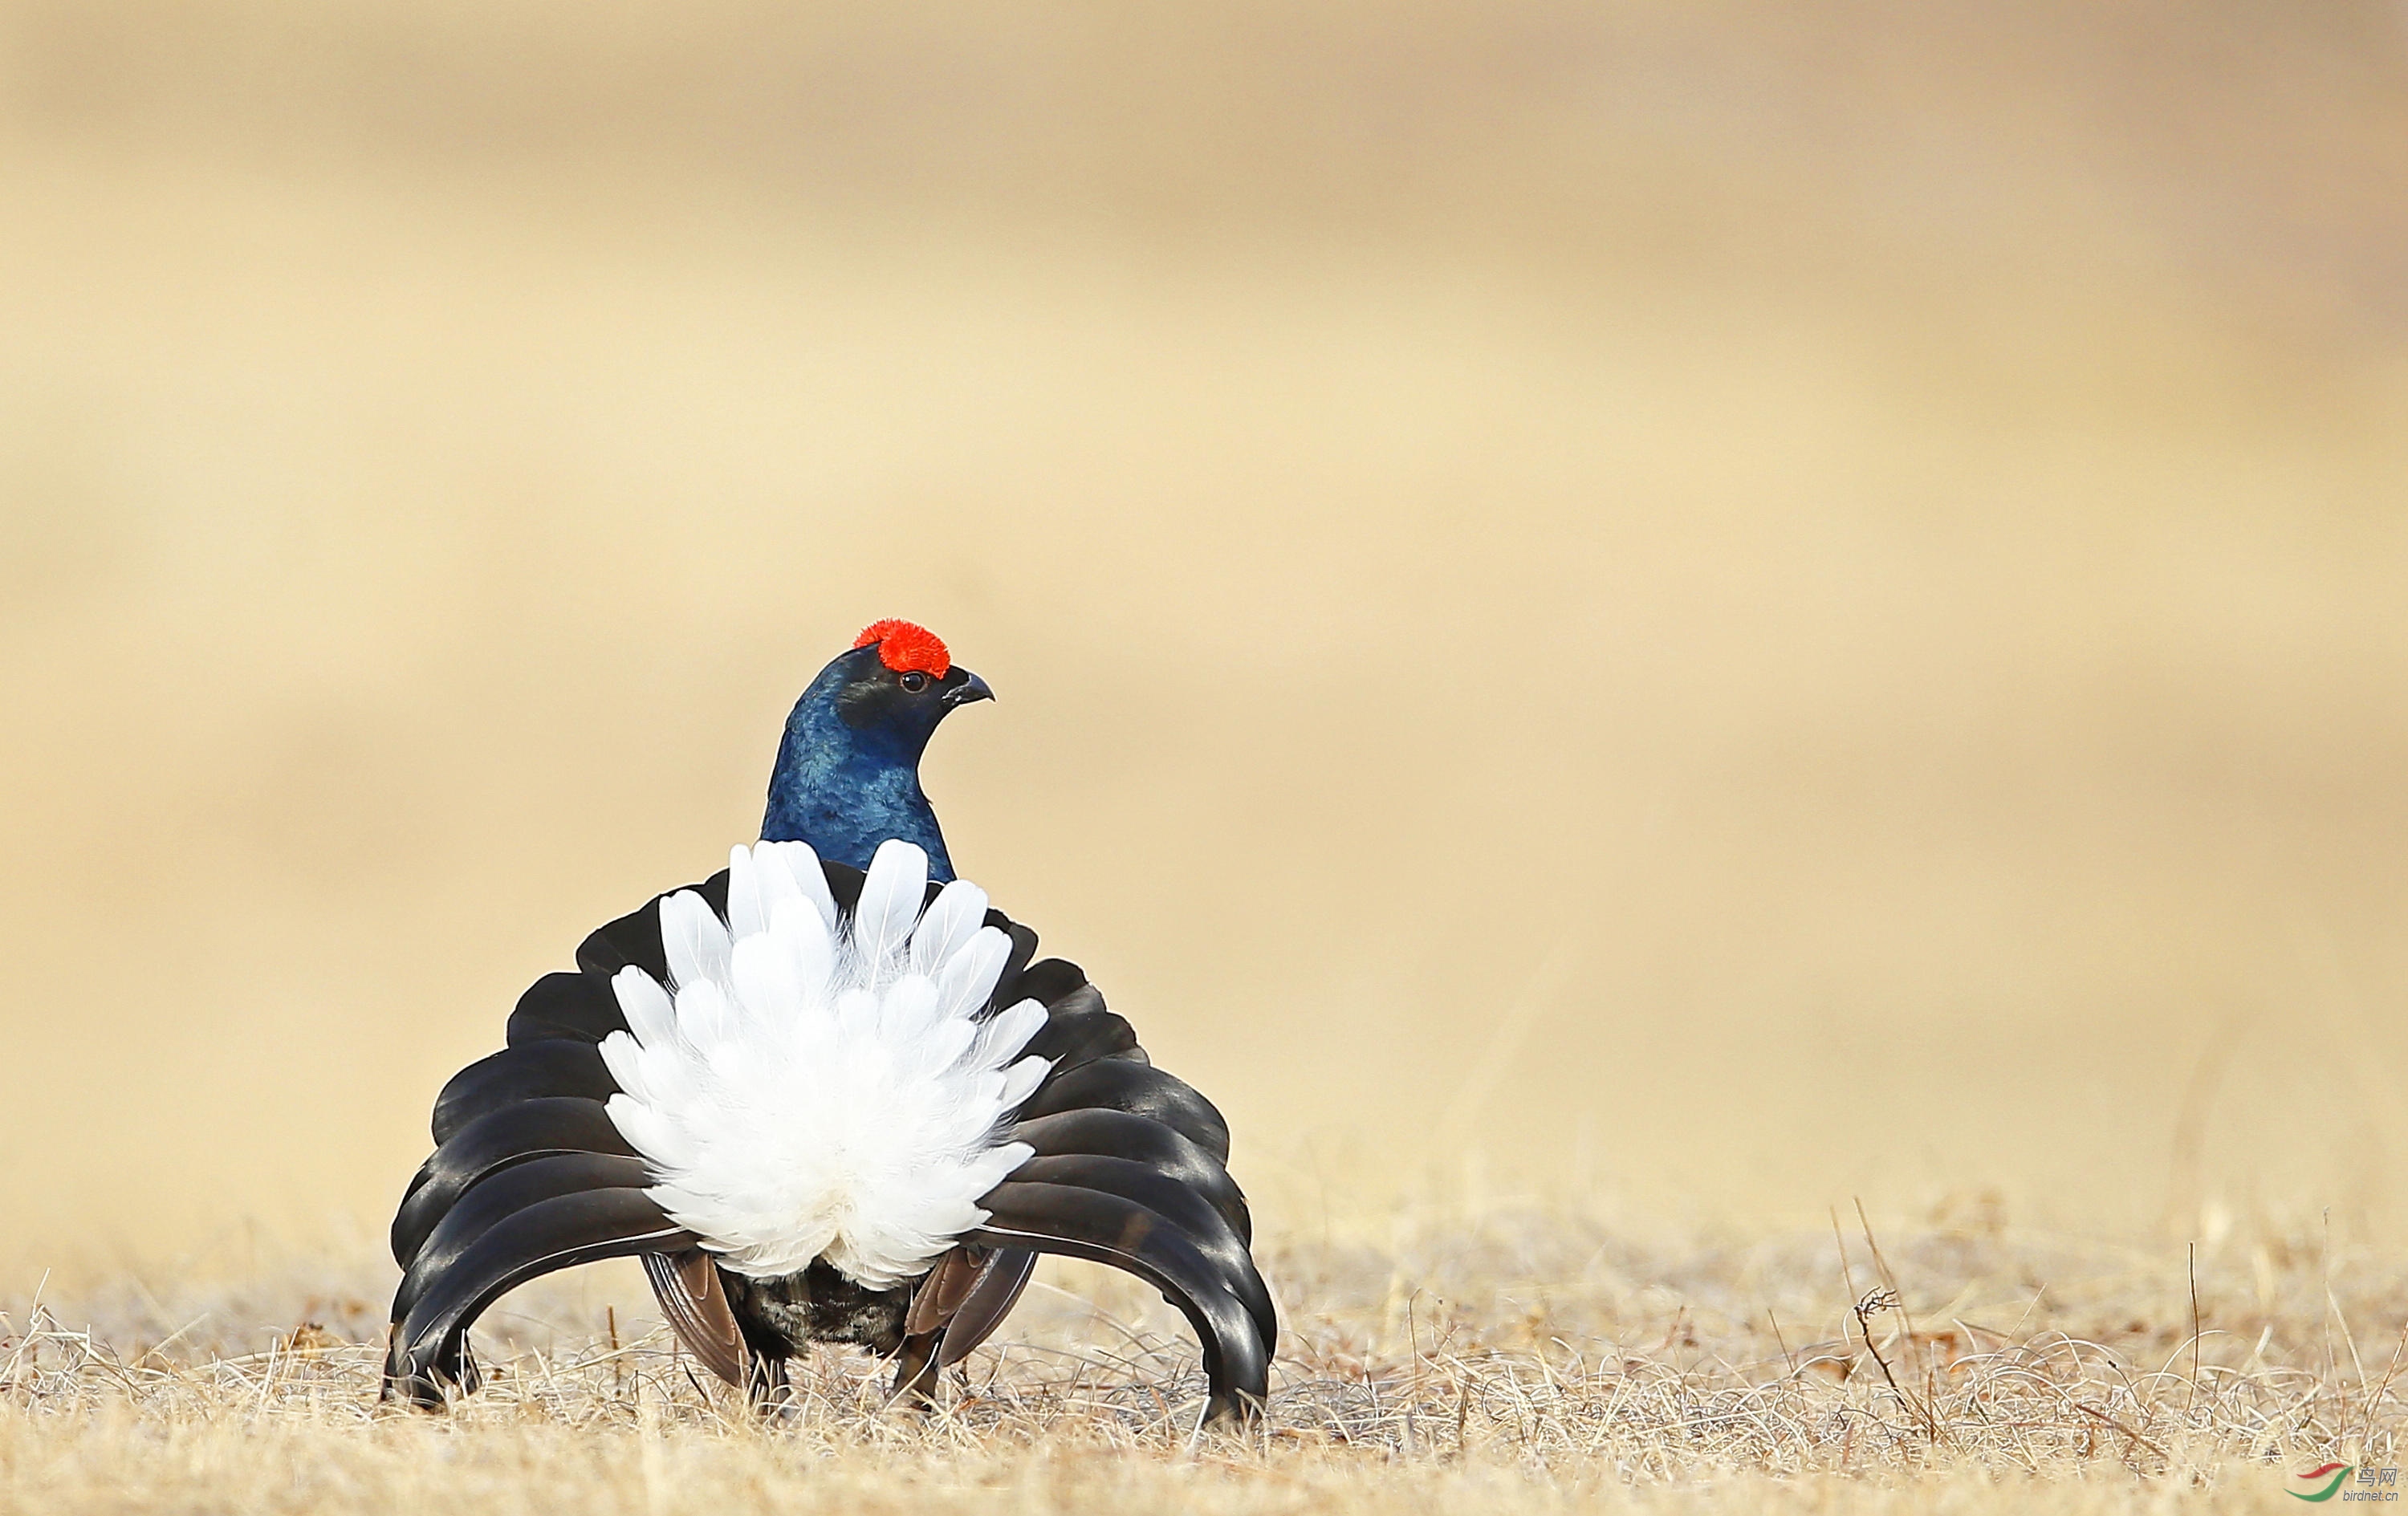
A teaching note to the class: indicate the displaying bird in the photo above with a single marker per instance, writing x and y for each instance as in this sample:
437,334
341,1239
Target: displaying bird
828,1094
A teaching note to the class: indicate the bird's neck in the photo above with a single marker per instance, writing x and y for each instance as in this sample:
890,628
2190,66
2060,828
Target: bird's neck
844,795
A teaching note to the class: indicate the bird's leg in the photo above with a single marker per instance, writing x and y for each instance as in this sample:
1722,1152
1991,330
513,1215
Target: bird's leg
916,1369
766,1385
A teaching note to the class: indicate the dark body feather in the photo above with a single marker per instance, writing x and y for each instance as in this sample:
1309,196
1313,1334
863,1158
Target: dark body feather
530,1175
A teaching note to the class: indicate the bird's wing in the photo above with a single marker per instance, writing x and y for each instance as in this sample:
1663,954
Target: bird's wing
695,1303
991,1297
940,1294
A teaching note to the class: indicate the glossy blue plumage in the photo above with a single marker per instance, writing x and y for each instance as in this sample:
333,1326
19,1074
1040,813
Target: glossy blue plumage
848,774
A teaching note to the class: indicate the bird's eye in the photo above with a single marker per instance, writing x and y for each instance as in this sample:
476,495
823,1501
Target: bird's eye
914,681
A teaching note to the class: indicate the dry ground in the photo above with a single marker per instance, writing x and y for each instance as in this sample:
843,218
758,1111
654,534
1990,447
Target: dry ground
1532,1357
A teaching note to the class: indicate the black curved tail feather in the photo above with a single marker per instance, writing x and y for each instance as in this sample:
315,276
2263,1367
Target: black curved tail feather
1109,1229
1116,1134
427,1351
504,1135
1048,981
1175,1203
1078,1031
538,1071
1139,1088
1134,1091
502,1196
576,1008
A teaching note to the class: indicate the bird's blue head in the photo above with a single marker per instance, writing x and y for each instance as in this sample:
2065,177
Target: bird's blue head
848,774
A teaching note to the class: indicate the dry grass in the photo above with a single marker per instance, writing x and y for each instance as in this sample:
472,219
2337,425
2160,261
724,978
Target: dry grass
1533,1357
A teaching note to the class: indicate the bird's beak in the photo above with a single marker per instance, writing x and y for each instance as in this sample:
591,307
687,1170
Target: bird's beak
971,688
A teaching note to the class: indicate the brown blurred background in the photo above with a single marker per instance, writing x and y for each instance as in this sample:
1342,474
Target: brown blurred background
1731,604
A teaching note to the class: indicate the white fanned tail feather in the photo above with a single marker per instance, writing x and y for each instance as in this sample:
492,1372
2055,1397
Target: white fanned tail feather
807,1091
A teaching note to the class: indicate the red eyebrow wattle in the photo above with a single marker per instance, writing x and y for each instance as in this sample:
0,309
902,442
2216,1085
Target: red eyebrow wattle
904,646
